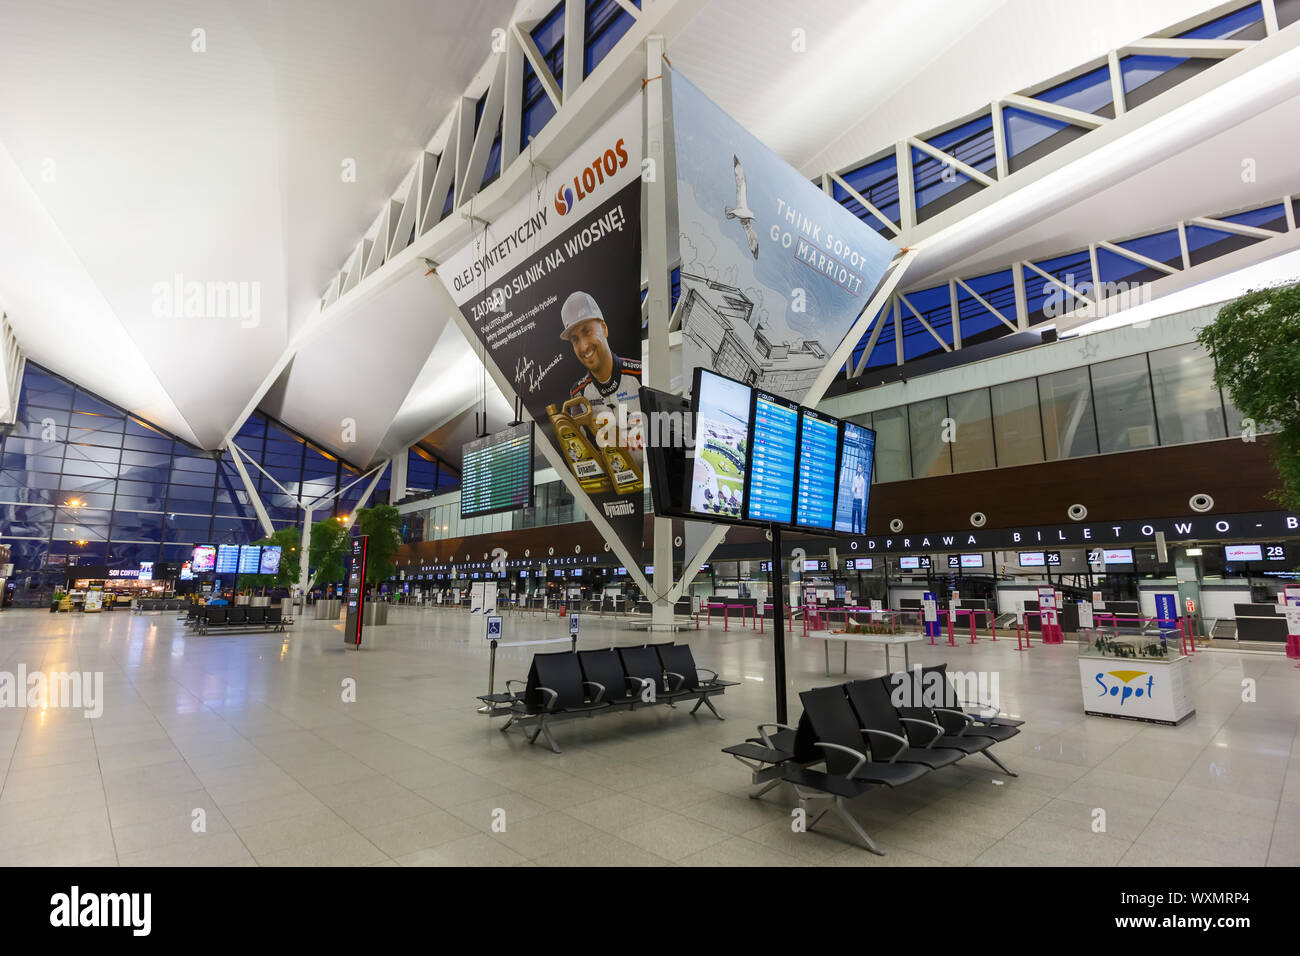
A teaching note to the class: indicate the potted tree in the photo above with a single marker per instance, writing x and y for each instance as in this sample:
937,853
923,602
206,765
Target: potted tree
329,548
1255,342
382,524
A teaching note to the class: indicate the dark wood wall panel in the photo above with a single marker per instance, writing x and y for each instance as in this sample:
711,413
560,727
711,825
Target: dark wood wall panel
1152,483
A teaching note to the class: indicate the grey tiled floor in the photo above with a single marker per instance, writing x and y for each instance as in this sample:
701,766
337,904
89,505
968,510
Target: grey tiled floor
252,731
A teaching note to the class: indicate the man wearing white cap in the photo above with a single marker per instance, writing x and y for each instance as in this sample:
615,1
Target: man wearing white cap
610,380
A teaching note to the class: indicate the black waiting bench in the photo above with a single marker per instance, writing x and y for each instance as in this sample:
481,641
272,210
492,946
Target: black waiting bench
861,741
569,684
235,618
157,604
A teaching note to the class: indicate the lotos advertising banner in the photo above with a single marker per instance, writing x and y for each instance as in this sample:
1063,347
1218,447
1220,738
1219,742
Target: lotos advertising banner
552,292
774,271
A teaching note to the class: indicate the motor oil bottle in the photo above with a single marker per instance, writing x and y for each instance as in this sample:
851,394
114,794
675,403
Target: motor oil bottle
620,464
584,460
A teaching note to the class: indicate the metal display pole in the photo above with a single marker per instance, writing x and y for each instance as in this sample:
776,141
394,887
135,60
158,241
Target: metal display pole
492,673
778,625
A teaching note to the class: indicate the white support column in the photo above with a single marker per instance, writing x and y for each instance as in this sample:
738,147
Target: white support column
1116,83
658,297
512,108
1000,141
236,456
304,555
1022,301
12,365
1270,17
955,312
906,188
898,332
361,502
844,353
575,47
397,484
1182,245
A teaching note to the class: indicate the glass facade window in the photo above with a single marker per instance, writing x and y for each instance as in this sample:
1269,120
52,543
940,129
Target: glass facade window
84,483
1017,428
1069,425
930,438
893,447
972,415
1188,406
1126,415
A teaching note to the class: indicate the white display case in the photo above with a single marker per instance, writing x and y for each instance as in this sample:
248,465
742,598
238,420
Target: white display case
1134,674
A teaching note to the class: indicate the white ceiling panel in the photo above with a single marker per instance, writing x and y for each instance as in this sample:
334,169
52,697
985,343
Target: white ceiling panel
345,388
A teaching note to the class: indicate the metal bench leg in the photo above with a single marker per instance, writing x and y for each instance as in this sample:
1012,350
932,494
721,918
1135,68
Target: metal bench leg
709,704
770,785
1001,766
544,729
847,818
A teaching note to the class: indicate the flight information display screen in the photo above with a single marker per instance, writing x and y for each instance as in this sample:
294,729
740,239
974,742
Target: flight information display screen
818,445
204,559
722,425
858,448
250,559
497,472
228,559
772,460
270,560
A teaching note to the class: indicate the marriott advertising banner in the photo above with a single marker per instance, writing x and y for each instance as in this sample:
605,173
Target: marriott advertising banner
774,271
552,292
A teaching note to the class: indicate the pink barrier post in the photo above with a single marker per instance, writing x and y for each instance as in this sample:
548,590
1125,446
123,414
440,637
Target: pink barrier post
971,616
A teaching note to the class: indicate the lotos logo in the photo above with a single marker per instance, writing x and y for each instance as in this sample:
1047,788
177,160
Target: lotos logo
563,200
606,164
1123,687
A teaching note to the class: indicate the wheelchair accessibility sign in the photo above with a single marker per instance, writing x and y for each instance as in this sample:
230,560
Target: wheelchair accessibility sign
494,628
573,625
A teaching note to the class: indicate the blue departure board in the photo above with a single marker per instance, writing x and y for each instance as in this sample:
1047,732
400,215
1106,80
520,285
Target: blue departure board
772,463
818,442
228,559
250,558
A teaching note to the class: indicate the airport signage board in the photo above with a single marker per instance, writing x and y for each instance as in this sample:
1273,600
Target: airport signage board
355,593
1252,525
551,291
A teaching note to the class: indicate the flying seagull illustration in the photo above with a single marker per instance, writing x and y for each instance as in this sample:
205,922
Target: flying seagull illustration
741,210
